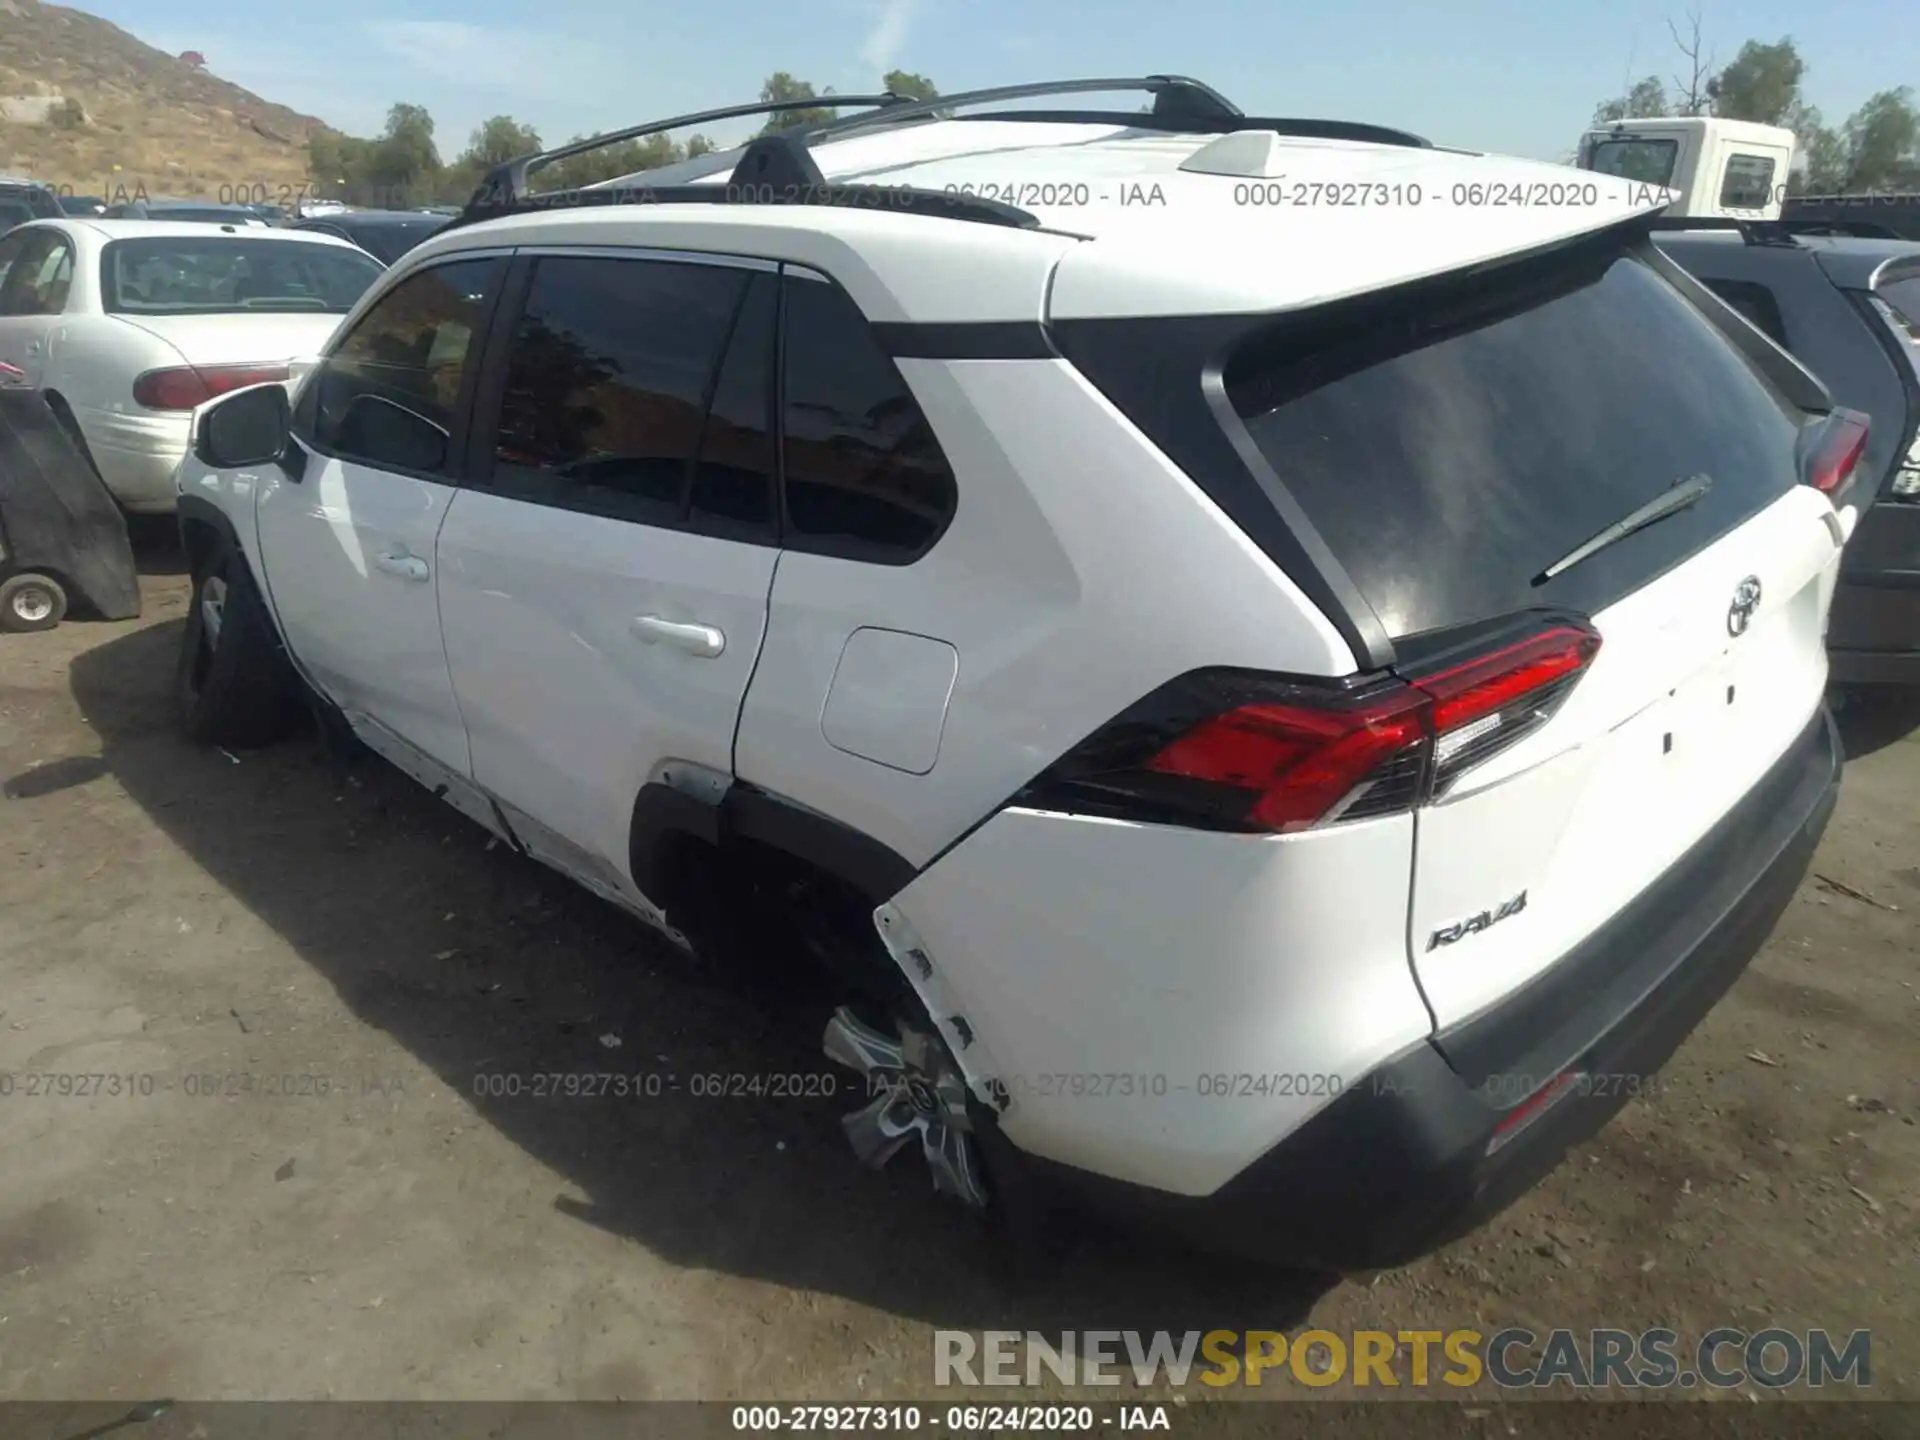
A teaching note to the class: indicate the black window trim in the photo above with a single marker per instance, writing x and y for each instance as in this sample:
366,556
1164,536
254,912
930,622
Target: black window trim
476,469
463,407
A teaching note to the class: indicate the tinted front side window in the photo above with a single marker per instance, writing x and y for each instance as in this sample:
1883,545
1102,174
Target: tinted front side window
611,368
865,476
1748,184
386,395
1450,452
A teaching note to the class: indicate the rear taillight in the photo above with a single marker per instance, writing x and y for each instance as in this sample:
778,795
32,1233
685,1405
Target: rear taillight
1229,750
182,387
1833,451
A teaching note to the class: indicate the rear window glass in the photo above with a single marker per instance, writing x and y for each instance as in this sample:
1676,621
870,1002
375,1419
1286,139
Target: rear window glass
12,213
1451,452
188,275
1650,162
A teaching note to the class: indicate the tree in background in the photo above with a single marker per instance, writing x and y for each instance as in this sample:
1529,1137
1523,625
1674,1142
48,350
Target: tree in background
905,82
1695,91
1761,83
1883,143
780,87
1646,99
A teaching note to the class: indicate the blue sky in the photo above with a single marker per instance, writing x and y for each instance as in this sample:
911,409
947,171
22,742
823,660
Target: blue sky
1519,76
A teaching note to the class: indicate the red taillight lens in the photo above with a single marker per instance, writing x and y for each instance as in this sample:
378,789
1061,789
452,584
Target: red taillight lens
1299,763
182,387
1837,450
1232,752
1486,704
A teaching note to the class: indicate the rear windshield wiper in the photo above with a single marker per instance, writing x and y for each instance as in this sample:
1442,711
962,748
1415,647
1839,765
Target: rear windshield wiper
1671,501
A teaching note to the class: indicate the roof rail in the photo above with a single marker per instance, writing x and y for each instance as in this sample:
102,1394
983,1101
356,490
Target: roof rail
777,168
1753,232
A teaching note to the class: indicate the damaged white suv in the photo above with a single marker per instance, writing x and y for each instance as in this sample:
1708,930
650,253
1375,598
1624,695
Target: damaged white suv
1281,664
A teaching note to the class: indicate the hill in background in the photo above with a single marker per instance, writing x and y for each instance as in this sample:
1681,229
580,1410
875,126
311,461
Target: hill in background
88,107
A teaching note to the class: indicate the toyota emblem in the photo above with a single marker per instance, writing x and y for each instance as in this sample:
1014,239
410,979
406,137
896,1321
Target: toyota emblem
1746,600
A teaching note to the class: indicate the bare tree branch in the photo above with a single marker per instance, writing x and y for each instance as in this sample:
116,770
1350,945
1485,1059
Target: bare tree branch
1697,87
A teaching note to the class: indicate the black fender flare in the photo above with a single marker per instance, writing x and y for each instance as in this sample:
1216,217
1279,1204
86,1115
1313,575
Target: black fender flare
198,510
664,813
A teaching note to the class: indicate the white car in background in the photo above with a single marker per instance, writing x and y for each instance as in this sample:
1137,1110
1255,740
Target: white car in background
128,325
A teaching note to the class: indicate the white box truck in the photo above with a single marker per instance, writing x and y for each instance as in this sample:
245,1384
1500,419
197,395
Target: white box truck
1734,169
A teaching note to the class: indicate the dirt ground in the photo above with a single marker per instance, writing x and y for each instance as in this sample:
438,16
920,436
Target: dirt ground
172,913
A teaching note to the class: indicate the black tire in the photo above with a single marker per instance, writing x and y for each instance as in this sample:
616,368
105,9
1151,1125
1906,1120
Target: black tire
29,601
235,687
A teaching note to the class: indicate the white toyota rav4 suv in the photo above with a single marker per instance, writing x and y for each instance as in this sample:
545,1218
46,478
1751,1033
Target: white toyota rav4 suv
1282,665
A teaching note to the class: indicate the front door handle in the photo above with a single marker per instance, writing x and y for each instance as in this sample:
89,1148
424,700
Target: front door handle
407,567
703,641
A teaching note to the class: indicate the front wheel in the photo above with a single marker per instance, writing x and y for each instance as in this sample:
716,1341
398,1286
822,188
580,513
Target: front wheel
31,602
234,684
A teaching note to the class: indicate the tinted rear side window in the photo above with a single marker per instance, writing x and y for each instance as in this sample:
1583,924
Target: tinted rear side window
608,378
1450,453
866,478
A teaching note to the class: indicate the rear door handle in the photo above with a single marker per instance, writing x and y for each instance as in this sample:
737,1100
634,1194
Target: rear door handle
703,641
407,567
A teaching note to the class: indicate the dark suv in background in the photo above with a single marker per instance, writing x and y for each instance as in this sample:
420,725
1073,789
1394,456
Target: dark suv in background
22,199
1849,309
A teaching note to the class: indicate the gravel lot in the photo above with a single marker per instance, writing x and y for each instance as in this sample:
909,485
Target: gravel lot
174,914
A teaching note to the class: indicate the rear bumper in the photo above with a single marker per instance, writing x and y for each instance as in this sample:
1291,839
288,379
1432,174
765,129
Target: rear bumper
137,455
1406,1159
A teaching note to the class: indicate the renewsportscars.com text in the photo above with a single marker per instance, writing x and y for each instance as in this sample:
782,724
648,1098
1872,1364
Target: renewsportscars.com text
1512,1358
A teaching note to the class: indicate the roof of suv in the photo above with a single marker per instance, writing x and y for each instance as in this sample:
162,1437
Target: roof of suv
1352,216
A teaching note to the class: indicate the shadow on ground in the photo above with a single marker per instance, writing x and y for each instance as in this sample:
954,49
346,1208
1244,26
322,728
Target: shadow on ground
482,964
156,544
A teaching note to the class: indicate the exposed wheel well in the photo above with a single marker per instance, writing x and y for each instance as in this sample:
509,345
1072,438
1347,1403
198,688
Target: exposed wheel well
781,904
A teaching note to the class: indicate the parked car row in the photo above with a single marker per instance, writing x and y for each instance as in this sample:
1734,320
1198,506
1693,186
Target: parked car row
127,325
386,234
